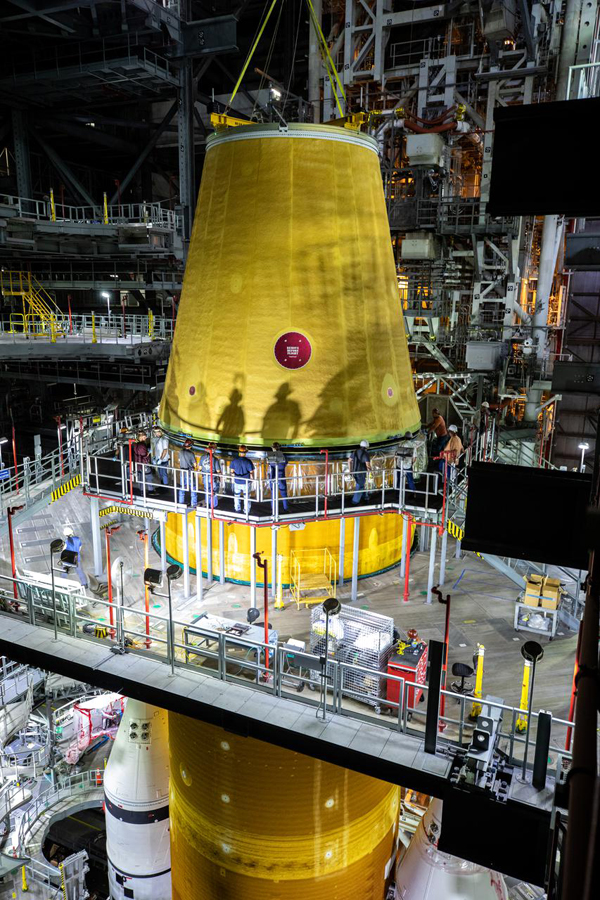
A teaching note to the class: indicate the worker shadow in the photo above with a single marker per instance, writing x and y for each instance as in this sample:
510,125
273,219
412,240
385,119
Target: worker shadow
282,419
231,422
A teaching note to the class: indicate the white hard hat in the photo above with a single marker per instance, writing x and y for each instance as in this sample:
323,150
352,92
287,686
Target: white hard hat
452,428
485,403
364,443
68,531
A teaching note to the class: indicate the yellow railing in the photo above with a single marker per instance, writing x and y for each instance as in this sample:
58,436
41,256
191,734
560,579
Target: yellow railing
313,576
38,304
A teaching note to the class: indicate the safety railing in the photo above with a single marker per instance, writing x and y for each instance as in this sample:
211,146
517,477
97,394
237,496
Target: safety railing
259,499
69,787
150,214
89,329
33,478
15,681
272,667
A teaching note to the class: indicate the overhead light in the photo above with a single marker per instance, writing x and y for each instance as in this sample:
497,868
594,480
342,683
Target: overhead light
275,94
3,440
584,446
105,295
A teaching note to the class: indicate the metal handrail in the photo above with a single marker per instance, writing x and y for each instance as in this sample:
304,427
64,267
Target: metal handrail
137,487
91,328
219,656
65,788
151,214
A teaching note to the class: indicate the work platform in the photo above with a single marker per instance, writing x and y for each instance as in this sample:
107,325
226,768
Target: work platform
273,713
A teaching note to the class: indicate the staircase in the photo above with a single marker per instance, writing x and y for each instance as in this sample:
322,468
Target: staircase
40,315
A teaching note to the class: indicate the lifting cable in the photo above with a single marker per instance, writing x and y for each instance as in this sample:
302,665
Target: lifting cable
327,60
330,68
251,53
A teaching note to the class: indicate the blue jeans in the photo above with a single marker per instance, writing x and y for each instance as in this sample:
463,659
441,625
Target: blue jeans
360,479
186,484
145,476
162,473
437,447
240,488
215,497
282,495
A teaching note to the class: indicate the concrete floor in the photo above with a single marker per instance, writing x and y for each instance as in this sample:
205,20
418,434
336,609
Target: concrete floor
482,603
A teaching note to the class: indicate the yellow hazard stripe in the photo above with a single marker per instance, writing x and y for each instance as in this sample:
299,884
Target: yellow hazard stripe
126,511
455,530
65,488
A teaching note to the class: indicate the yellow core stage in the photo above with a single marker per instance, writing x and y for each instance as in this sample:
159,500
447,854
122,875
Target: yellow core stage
250,821
290,326
380,544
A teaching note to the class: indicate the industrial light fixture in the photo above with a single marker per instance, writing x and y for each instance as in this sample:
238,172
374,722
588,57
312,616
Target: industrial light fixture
331,607
531,651
275,93
584,447
152,579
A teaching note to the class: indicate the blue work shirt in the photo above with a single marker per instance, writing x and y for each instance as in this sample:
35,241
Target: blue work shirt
242,468
73,543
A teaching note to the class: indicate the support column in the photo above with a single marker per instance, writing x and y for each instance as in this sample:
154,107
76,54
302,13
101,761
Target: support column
252,568
315,65
273,563
96,536
443,551
355,547
342,551
198,535
458,550
403,552
222,551
209,551
185,137
163,545
21,145
431,575
186,555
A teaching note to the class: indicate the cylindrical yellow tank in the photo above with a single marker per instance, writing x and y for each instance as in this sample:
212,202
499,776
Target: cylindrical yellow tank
250,821
290,326
380,544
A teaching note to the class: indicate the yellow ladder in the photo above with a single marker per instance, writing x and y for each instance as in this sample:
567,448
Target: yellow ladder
38,304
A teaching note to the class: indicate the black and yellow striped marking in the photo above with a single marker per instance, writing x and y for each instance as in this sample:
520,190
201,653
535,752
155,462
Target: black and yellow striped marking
65,488
126,511
455,530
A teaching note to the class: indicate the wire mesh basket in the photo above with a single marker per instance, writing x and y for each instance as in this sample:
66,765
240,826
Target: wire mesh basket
361,638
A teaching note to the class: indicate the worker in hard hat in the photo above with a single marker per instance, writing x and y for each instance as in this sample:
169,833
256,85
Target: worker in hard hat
360,466
143,462
160,454
242,469
73,545
187,475
211,486
452,451
277,463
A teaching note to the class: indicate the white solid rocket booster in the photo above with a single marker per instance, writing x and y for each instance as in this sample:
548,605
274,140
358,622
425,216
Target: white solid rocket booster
136,795
427,874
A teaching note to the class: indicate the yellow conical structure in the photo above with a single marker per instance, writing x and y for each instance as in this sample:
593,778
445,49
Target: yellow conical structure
290,326
250,821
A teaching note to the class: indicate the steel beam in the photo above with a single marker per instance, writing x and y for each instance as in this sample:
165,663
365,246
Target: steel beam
65,171
185,136
145,152
21,145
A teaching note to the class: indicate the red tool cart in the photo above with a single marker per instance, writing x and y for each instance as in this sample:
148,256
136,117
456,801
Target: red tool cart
409,663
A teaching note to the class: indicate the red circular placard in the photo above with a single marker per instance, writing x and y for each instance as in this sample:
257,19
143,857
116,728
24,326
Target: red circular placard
292,350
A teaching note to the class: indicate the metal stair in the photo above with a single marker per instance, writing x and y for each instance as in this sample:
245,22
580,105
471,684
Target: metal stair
41,314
